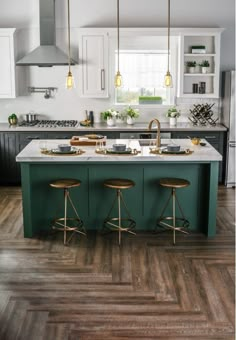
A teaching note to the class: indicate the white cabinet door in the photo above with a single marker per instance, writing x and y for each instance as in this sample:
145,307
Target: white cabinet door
94,65
7,64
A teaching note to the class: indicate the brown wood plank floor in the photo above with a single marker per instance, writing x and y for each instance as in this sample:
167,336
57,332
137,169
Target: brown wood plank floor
146,289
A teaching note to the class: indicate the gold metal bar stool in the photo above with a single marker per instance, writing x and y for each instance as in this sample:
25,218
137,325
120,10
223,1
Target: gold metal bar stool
62,224
173,184
126,224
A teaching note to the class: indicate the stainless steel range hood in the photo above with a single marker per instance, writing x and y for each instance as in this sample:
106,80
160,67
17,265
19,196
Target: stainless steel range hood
47,54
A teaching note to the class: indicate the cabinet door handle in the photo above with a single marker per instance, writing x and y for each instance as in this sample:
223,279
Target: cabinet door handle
102,79
210,137
31,138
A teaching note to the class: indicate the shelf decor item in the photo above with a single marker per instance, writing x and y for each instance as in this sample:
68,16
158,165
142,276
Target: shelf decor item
204,66
173,113
202,114
191,65
199,49
131,115
110,116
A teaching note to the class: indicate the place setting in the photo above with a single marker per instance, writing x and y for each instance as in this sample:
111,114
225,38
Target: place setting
60,150
117,149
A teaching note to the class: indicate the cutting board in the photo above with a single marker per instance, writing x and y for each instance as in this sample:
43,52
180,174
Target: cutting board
80,140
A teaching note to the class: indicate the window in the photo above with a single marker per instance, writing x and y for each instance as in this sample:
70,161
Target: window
143,74
143,65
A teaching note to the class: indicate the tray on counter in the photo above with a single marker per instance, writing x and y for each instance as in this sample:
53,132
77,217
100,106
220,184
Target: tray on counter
110,151
90,139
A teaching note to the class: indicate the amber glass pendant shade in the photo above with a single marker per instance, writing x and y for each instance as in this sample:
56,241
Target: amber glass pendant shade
70,84
118,79
168,80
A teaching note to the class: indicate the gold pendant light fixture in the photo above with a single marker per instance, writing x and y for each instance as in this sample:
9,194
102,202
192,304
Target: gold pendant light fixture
69,78
168,77
118,77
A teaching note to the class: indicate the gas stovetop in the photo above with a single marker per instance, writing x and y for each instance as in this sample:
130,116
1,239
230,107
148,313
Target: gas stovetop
49,123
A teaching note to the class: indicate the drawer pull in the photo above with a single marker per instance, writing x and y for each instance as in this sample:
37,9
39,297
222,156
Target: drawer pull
210,137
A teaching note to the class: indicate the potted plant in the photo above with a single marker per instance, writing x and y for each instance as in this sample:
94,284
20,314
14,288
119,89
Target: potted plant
173,113
204,66
110,116
191,66
131,114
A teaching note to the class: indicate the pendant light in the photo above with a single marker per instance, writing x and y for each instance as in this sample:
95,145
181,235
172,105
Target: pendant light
118,78
168,77
69,78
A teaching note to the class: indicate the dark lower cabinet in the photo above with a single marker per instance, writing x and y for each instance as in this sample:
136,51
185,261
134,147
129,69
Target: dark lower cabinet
9,169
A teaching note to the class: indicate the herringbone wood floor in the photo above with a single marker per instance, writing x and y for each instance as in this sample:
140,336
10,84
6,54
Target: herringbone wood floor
147,289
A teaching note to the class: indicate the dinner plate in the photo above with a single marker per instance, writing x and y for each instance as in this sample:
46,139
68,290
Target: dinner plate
181,151
58,152
127,151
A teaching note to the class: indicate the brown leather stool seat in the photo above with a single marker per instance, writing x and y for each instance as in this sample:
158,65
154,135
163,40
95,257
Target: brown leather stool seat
173,184
119,223
68,224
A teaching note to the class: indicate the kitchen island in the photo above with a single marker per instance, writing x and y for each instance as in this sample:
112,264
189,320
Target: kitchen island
41,203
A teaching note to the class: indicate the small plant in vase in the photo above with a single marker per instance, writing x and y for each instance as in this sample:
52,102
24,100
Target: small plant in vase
204,66
131,114
173,113
110,116
191,65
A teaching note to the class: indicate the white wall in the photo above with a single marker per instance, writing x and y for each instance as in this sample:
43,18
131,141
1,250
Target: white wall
24,14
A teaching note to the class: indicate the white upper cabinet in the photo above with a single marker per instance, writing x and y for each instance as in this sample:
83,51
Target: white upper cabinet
196,46
7,63
93,59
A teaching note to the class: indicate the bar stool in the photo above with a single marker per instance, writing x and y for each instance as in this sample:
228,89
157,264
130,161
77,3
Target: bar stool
62,223
173,184
123,223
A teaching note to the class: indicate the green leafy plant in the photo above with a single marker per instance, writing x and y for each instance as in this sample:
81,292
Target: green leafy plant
204,63
110,113
133,113
173,112
191,63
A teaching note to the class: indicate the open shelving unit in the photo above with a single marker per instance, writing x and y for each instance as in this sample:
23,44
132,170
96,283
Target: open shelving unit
210,38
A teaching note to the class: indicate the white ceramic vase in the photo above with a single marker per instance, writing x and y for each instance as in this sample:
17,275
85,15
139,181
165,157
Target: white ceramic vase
111,121
191,69
204,69
130,120
173,121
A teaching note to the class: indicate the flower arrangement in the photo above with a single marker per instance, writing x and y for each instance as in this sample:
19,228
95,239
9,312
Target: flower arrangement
173,112
133,113
110,113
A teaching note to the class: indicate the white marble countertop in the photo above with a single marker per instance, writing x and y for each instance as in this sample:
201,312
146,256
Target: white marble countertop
119,127
32,153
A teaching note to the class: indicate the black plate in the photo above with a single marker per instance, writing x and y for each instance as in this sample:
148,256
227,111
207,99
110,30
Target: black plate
127,151
181,151
58,152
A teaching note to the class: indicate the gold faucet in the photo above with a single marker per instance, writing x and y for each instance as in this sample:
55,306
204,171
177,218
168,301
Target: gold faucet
158,141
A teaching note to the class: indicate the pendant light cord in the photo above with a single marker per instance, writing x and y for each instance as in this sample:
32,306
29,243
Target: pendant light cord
168,35
118,35
68,10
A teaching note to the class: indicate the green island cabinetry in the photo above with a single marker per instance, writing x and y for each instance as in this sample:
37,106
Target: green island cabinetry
145,200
